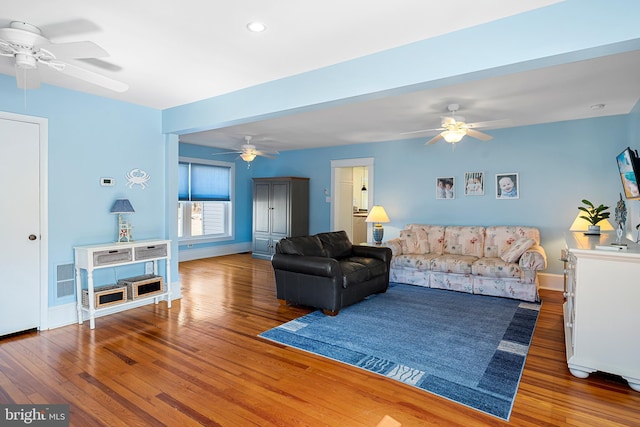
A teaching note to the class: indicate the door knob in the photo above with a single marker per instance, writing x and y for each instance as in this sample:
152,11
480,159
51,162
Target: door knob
32,237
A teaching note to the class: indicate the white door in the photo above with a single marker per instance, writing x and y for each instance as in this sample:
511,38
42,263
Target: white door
344,201
20,294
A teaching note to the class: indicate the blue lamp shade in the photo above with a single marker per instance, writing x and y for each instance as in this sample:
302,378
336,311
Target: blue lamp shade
122,206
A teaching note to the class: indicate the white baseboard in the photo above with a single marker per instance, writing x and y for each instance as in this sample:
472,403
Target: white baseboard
553,282
186,254
67,314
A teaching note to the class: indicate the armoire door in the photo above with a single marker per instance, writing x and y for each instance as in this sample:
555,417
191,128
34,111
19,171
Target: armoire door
280,208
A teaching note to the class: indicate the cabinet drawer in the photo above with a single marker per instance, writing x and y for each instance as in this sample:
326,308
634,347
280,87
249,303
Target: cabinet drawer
149,252
113,256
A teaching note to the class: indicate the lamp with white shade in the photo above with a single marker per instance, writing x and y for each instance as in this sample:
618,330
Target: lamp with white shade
581,224
377,215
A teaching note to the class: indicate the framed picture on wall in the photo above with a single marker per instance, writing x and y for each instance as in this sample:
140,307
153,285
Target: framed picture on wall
474,183
445,188
507,186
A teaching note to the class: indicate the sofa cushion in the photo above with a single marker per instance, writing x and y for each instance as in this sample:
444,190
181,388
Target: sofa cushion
301,245
376,267
336,244
515,251
449,263
498,238
497,268
353,273
414,242
419,262
464,240
435,235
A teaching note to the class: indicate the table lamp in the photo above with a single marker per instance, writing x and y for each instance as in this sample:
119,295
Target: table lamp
123,206
581,224
377,215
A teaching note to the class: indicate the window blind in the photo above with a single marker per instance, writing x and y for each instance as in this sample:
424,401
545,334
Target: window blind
198,182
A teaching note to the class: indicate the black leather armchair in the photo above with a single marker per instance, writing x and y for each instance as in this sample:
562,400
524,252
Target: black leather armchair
326,271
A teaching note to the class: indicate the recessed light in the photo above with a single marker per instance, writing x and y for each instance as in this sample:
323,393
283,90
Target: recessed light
256,27
597,106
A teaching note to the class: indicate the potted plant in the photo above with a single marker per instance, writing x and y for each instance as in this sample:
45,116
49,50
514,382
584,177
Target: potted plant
593,215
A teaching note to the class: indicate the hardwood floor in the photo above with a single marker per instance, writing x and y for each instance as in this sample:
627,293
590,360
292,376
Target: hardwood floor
201,363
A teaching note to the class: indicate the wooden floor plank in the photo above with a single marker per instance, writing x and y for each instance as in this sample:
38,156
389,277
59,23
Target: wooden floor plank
202,363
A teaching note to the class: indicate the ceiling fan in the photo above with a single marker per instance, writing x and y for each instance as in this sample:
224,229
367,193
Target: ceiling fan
453,130
29,48
248,152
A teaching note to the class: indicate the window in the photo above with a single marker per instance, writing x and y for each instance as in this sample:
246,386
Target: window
205,200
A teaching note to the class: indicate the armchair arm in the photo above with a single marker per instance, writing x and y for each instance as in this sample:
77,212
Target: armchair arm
378,252
315,266
535,258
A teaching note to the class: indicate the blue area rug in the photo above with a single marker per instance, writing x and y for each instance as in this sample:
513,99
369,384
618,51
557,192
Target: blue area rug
467,348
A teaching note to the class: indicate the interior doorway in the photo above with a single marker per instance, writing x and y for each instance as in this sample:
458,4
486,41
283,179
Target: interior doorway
352,196
23,155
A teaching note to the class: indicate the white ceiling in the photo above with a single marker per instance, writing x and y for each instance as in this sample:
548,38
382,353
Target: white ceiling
173,53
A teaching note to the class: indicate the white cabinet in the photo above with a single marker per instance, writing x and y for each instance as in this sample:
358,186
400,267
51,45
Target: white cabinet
600,311
93,257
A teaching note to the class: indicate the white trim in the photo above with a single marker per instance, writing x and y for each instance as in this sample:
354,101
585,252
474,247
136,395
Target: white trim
553,282
349,163
43,125
213,251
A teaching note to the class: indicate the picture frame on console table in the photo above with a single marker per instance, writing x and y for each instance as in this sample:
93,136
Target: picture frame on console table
507,186
445,188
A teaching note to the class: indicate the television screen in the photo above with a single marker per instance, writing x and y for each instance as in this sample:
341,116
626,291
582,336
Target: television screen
627,166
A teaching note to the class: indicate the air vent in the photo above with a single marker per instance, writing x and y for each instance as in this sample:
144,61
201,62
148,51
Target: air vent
65,285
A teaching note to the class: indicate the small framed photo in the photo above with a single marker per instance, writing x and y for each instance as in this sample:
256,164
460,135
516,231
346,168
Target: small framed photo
474,183
507,186
445,188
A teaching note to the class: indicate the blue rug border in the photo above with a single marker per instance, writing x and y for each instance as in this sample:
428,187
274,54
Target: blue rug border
487,401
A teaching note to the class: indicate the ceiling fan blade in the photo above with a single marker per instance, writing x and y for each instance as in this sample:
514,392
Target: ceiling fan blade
89,76
263,154
6,49
490,123
105,65
73,50
478,135
27,78
420,131
435,139
226,152
272,152
447,120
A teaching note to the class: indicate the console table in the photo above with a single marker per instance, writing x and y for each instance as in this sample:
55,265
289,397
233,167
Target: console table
600,312
93,257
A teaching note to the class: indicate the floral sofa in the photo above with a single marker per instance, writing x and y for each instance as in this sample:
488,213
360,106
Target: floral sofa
497,260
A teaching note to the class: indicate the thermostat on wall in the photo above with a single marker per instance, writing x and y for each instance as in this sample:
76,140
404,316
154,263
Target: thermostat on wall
107,182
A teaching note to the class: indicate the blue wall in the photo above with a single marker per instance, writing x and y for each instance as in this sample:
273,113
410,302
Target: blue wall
92,137
558,164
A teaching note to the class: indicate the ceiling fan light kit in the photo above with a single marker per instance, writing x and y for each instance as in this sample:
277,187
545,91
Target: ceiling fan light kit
248,152
453,130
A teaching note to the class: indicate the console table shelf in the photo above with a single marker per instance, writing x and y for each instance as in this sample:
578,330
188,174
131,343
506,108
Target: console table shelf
93,257
602,295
